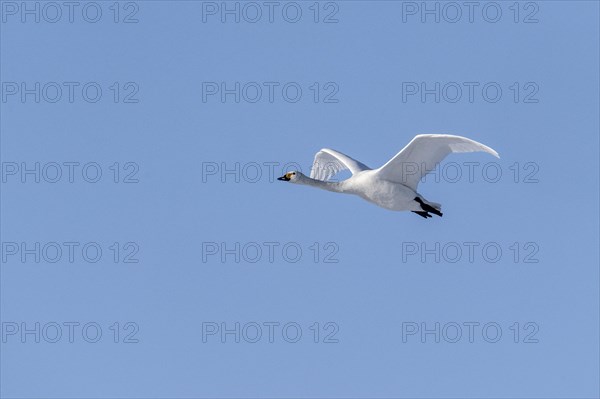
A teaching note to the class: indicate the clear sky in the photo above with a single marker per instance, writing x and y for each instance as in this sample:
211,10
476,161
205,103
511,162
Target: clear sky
156,220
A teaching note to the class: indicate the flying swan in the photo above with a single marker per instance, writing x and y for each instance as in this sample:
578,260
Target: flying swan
394,185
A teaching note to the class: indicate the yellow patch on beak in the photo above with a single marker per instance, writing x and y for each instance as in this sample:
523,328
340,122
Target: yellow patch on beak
286,177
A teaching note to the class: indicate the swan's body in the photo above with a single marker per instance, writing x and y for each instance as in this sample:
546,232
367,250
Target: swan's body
394,185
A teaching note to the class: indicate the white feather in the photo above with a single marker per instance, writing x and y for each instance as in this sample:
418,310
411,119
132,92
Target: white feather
423,154
329,163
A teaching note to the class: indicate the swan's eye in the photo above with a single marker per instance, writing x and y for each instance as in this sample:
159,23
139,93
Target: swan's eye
294,174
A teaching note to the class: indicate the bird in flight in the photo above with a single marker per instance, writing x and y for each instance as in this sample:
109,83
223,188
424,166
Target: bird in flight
394,185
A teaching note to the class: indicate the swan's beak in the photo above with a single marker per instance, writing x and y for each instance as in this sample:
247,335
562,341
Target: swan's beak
284,178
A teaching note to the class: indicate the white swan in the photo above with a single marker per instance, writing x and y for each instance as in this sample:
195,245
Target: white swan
394,185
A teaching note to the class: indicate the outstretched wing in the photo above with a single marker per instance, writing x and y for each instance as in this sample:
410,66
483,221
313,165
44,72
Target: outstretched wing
423,154
328,163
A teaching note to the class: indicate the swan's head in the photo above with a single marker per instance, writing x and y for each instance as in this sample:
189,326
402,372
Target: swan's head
292,177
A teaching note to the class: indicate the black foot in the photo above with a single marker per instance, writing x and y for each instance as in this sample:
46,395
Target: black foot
428,208
422,214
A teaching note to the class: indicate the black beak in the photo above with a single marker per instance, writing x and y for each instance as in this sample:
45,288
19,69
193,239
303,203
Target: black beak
283,178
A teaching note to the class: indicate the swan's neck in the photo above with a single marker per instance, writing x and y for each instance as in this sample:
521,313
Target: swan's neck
325,185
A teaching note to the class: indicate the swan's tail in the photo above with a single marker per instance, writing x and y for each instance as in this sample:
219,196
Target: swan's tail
427,207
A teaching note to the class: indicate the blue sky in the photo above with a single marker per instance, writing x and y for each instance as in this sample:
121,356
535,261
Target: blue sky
157,221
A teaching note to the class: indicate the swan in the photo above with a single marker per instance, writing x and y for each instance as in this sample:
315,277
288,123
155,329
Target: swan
394,185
